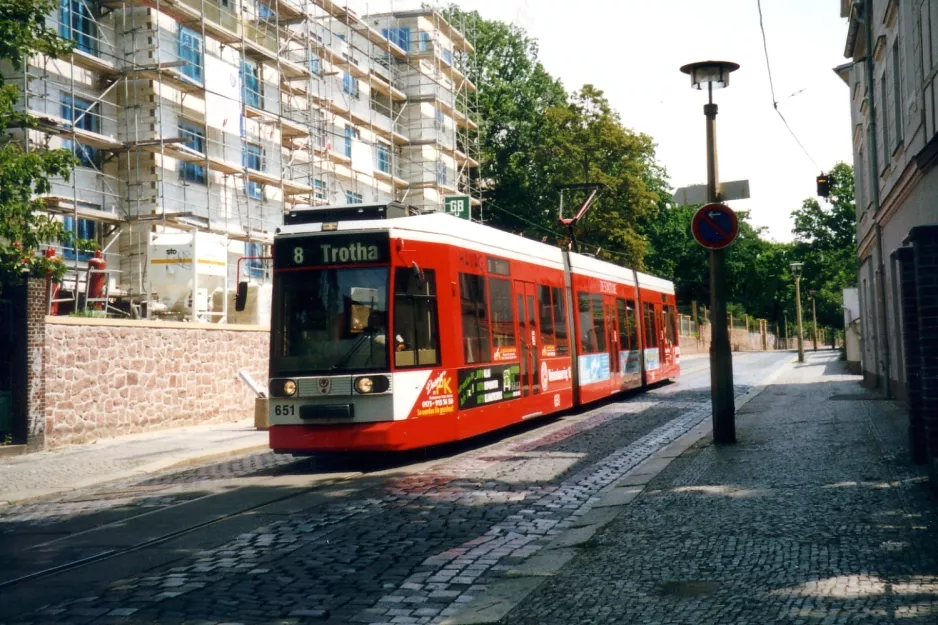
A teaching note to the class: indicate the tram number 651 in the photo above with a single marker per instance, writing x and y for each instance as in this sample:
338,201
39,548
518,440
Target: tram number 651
285,410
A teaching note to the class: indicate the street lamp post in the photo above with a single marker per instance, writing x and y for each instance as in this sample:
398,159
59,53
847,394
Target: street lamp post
716,75
813,295
796,269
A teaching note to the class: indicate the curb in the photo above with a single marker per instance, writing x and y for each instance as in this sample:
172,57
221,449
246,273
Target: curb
502,596
170,462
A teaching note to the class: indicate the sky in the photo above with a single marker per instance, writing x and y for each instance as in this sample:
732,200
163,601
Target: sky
633,49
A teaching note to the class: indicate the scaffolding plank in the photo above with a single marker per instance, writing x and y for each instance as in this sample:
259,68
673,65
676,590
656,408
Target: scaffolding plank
63,205
94,63
64,128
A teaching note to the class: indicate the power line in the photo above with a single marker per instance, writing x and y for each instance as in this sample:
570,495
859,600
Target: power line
768,66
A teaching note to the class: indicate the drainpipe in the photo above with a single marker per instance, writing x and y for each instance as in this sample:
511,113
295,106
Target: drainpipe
867,20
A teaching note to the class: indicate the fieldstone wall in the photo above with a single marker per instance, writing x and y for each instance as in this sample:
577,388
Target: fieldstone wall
106,377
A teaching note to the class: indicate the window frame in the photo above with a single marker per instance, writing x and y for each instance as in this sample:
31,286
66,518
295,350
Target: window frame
432,303
353,198
77,108
650,341
195,133
480,315
383,155
77,24
194,68
253,153
251,73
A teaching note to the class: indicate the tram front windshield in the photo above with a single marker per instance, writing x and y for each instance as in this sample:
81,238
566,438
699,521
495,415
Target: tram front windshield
330,321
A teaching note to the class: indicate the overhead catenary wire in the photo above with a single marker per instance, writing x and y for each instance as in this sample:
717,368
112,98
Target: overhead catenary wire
768,66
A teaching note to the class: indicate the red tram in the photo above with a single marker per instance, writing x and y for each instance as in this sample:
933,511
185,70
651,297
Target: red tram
398,332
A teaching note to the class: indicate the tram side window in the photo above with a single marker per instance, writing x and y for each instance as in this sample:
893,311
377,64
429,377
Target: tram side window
475,319
670,318
548,344
503,321
633,323
625,334
588,338
599,323
416,326
560,321
651,336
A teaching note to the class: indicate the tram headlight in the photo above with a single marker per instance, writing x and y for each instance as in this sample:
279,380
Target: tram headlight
364,385
283,388
372,384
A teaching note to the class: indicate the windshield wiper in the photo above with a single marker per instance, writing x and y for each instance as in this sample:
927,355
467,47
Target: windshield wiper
352,350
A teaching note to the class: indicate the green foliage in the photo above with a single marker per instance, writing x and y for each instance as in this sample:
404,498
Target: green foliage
825,240
23,175
535,137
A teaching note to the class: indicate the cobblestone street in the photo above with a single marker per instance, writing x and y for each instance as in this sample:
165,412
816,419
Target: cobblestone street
338,541
816,516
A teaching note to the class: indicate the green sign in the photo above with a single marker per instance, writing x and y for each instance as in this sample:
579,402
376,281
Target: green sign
457,206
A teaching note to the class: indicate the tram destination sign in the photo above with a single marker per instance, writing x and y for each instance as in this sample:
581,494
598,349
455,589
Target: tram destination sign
359,248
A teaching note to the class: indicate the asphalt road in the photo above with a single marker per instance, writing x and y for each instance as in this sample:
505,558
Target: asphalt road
394,538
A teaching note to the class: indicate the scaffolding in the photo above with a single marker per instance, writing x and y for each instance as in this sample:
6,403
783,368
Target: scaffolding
217,116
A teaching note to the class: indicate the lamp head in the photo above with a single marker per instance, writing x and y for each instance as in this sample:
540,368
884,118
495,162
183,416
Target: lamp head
796,268
710,73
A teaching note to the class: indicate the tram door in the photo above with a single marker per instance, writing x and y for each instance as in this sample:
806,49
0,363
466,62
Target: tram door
528,332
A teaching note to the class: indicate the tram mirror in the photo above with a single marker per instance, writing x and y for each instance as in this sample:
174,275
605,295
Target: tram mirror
418,272
241,296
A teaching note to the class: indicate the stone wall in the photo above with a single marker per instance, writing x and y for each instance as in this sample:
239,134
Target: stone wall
741,340
110,377
37,305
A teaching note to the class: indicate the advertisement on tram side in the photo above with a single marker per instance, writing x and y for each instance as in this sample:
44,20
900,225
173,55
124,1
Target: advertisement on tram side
629,362
593,368
488,385
438,396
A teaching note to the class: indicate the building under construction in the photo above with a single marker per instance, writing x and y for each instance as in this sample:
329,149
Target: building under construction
197,123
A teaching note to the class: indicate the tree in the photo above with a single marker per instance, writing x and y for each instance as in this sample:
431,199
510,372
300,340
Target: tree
24,227
535,138
825,240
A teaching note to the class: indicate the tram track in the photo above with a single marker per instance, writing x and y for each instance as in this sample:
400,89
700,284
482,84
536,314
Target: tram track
407,464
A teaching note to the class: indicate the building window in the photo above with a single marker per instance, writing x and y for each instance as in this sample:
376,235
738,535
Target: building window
424,41
447,56
251,78
77,24
897,91
350,134
87,231
190,50
350,84
319,189
398,36
194,134
353,198
416,329
251,159
861,177
383,158
475,319
884,120
315,64
255,266
441,173
264,11
440,117
79,111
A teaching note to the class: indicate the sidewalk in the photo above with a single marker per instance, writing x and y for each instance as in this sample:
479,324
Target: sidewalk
815,516
49,472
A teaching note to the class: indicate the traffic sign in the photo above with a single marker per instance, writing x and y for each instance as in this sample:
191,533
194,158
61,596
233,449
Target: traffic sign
458,206
715,226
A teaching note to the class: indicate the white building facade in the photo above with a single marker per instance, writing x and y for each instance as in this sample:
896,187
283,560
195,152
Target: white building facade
893,48
219,115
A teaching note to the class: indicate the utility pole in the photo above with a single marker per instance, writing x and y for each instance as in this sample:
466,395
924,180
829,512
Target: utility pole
786,330
813,295
796,269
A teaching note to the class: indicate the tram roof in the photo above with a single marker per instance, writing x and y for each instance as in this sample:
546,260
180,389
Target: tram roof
443,228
